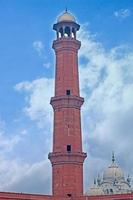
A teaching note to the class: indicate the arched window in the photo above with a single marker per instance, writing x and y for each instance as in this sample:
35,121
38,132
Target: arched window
60,32
111,191
107,191
67,32
73,33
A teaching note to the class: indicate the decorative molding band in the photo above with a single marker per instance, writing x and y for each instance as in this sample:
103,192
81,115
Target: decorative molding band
66,102
69,158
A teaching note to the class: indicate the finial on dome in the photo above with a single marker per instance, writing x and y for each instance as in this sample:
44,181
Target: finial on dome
66,17
98,180
128,179
113,157
66,9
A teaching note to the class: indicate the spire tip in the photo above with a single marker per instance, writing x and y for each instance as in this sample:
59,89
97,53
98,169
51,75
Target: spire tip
113,157
66,10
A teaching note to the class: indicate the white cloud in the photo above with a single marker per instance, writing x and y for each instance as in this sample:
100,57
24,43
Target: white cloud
122,13
21,173
39,47
24,132
25,177
7,142
41,51
2,125
47,65
38,94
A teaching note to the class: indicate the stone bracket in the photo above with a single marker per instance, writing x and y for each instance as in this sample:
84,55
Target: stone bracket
69,158
66,102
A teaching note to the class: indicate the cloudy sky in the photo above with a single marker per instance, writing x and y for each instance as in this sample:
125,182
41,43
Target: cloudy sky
27,82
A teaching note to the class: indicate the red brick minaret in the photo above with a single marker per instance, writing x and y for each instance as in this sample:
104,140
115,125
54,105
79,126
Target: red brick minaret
67,157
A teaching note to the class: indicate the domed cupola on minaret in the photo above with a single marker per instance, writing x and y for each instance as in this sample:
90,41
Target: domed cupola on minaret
66,26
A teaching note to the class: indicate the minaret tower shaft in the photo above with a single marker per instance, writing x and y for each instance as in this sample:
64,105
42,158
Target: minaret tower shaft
67,157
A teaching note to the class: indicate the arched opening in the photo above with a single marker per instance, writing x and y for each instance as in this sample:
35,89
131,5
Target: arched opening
107,191
59,35
111,191
73,33
67,32
60,32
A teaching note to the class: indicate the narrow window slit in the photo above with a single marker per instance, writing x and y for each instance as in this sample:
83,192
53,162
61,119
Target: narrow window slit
69,148
68,92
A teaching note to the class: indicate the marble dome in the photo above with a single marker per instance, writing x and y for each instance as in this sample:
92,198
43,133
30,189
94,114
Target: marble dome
66,17
113,172
112,182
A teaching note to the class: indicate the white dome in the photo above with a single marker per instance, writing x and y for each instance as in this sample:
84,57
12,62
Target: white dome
113,172
113,182
66,17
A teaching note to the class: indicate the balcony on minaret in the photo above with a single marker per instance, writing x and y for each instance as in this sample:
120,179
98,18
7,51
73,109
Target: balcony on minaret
66,26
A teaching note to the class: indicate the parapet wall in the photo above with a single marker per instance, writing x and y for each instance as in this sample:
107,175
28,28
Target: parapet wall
108,197
24,196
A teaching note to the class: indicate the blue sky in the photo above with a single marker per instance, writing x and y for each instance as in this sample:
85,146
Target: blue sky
26,85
